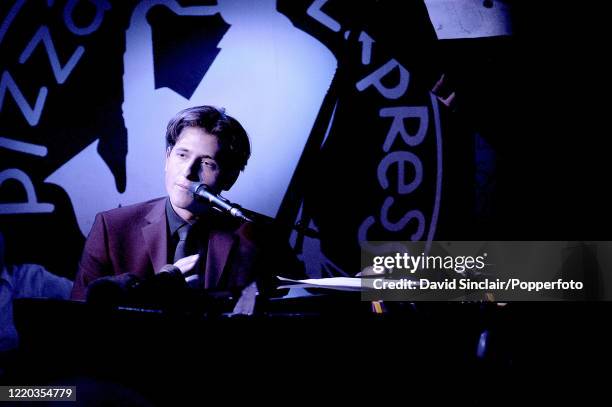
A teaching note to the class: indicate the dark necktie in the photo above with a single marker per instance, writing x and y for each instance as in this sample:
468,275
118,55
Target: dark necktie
183,247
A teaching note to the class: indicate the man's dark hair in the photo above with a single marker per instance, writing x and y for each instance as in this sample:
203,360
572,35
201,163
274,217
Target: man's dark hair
235,148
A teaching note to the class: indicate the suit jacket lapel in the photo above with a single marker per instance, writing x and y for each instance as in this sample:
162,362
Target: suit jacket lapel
155,236
219,246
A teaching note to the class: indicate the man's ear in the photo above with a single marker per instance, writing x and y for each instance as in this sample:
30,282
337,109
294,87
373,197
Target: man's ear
168,149
229,179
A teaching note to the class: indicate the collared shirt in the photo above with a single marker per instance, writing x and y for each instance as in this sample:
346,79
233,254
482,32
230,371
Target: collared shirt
174,223
201,236
174,220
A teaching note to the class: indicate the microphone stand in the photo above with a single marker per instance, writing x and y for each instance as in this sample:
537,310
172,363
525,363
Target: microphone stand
258,218
200,191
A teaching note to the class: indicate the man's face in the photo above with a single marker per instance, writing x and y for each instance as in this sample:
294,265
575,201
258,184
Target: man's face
192,159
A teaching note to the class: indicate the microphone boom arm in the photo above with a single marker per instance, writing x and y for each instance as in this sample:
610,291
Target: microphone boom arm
201,191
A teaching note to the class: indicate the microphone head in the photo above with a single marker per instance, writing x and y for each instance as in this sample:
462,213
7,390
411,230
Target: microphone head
195,186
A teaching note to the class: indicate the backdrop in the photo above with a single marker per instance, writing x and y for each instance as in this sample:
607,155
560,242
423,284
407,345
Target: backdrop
335,96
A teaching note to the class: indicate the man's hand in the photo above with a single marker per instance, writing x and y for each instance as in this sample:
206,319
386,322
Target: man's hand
185,267
186,264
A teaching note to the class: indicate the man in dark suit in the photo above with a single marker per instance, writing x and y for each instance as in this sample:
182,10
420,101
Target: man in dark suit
184,235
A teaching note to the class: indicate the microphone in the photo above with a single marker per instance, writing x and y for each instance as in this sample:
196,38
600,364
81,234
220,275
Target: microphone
217,201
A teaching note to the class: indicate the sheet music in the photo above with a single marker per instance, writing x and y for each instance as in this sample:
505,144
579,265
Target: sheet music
334,283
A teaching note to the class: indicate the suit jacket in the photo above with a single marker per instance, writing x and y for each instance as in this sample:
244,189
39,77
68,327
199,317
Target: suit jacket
134,239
